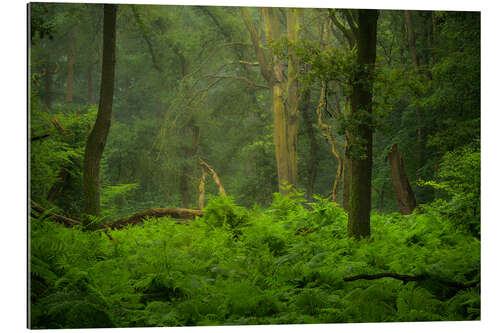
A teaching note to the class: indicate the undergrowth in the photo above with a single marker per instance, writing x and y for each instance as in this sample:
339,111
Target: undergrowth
283,264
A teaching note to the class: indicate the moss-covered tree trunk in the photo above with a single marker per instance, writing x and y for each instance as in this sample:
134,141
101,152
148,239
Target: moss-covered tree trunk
361,108
97,138
285,100
284,90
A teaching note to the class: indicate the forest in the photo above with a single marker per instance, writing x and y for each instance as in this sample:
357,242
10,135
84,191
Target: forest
205,165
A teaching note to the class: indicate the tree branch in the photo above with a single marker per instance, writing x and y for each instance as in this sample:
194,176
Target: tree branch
265,67
66,221
214,175
142,28
240,78
176,213
348,33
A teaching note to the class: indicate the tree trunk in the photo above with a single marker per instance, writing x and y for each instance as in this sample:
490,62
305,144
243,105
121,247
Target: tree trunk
346,183
416,64
71,66
312,164
411,39
292,101
90,85
285,116
284,91
361,105
99,133
402,188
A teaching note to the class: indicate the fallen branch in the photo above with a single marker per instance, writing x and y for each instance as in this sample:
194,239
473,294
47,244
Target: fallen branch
404,278
214,175
39,137
176,213
59,127
66,221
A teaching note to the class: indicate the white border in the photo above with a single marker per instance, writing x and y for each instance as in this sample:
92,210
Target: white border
13,164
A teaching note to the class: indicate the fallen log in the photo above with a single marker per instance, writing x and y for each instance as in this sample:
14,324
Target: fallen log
39,137
176,213
404,278
66,221
408,278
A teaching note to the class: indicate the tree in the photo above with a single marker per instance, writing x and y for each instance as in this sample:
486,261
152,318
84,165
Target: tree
284,90
360,151
99,133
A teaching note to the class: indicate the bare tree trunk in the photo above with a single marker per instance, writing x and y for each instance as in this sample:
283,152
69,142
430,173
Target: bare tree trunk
402,189
99,133
71,67
361,105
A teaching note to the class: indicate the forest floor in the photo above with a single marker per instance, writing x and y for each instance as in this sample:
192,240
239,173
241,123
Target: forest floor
289,263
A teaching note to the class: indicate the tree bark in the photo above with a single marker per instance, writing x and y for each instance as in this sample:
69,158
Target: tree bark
346,183
361,105
402,189
99,133
71,67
